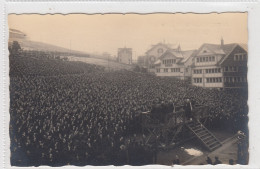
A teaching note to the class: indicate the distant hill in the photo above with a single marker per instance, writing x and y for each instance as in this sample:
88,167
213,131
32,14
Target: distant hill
26,44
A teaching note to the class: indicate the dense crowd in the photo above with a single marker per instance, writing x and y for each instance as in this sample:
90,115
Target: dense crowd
89,115
31,66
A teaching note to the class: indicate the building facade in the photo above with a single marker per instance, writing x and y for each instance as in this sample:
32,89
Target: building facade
124,55
220,66
153,54
175,63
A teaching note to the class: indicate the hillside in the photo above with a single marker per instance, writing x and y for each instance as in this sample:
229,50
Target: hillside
27,44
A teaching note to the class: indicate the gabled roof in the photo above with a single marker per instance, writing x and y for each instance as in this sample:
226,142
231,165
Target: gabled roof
224,50
172,52
244,46
182,55
214,48
187,54
228,48
162,44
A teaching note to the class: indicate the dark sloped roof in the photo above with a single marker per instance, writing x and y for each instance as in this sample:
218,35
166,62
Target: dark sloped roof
215,48
228,48
244,46
187,54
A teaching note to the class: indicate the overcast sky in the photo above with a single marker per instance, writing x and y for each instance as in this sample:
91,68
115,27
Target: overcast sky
106,33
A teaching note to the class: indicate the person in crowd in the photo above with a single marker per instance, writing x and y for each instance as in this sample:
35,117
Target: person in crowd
231,162
208,160
217,161
176,161
188,109
68,112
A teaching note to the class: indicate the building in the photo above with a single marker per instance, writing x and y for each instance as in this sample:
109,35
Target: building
175,63
153,54
220,66
124,55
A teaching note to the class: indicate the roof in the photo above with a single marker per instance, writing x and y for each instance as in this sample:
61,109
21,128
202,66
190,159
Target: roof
187,54
163,44
173,52
228,48
244,46
182,55
157,62
224,50
213,48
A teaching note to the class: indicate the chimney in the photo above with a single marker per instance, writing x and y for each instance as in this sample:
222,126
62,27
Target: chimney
222,42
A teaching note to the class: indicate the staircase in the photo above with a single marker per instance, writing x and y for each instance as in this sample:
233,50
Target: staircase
205,136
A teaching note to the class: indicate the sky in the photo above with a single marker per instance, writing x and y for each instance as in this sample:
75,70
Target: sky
99,33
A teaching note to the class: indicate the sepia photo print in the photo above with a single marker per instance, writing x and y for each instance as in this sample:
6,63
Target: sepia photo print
128,89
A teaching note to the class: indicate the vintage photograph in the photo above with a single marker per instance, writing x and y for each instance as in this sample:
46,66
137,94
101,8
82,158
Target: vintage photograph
128,89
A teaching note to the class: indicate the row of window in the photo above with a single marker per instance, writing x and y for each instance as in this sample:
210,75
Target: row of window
235,79
166,70
206,59
214,80
240,57
197,71
231,69
219,79
197,80
218,70
208,80
215,70
169,61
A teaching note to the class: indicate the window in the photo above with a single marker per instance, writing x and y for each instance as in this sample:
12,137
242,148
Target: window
245,56
197,80
158,70
187,69
160,50
210,58
213,58
198,59
206,59
226,69
207,70
165,70
220,79
240,57
172,69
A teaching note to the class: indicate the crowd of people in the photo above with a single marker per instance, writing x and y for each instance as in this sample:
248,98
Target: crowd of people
75,113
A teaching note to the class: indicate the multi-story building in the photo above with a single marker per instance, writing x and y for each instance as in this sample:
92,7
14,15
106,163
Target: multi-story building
220,66
153,54
175,63
125,55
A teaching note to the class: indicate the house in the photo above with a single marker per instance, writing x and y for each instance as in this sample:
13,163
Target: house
124,55
153,54
175,63
220,66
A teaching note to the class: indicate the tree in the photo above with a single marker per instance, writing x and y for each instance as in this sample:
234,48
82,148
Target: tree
16,47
